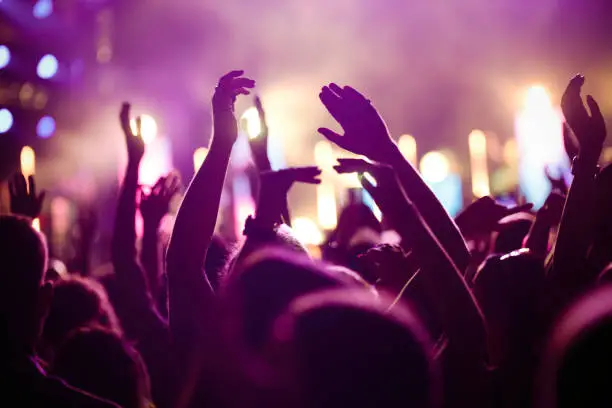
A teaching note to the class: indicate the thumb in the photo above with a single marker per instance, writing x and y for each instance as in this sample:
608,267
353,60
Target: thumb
331,136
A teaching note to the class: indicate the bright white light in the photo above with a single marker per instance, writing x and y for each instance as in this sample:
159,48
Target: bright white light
28,161
199,155
5,56
45,127
537,99
47,67
435,167
148,128
253,124
6,120
306,231
43,9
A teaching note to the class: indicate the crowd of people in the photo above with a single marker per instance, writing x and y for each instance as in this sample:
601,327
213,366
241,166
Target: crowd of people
500,307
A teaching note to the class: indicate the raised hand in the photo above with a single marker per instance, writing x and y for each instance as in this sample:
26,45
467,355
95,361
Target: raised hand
230,86
389,266
133,141
570,143
24,200
259,145
365,131
590,129
483,215
274,188
552,210
557,184
154,205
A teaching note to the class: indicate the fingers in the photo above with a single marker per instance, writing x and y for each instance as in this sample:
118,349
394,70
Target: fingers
369,186
139,127
352,166
41,198
173,185
596,114
32,186
306,174
158,186
336,89
331,136
124,117
351,93
572,105
230,75
20,184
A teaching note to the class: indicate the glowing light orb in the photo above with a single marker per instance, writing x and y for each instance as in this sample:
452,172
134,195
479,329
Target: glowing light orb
43,9
28,161
45,127
47,67
435,167
148,128
408,148
252,123
5,56
6,120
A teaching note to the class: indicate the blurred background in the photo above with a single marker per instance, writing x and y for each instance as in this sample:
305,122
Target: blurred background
469,88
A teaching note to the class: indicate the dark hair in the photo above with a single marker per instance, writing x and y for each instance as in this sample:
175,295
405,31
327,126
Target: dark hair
98,361
23,262
77,302
577,365
350,351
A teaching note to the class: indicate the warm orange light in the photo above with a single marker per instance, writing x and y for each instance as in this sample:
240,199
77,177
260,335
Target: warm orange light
199,155
478,160
28,161
408,148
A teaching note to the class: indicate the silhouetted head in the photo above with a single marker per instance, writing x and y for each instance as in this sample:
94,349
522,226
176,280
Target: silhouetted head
98,361
77,302
263,284
509,290
24,299
577,365
343,348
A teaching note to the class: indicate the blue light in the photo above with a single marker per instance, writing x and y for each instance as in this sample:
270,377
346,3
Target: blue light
43,9
6,120
5,56
45,127
47,67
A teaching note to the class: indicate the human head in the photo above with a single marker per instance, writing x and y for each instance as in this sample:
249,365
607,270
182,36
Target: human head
508,289
24,298
100,362
77,302
577,365
512,230
343,348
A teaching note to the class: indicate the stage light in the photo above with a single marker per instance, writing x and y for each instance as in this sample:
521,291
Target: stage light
435,167
148,126
6,120
27,159
43,9
253,124
537,99
5,56
306,231
199,155
408,148
47,67
477,142
45,127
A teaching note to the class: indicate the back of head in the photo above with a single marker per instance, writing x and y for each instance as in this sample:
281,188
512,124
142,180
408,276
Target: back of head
577,367
23,261
266,282
346,350
77,302
99,362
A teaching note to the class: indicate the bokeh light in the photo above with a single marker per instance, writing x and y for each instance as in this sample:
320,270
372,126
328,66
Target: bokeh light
43,9
435,167
5,56
27,159
477,142
45,127
307,231
148,128
47,67
6,120
408,148
199,155
251,121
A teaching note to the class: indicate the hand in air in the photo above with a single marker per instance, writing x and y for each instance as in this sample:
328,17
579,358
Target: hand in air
390,267
365,132
133,140
274,188
230,86
590,129
556,183
552,210
259,145
483,215
381,182
24,200
155,204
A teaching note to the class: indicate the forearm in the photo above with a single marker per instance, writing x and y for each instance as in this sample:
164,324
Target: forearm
455,306
149,257
124,233
538,236
433,213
